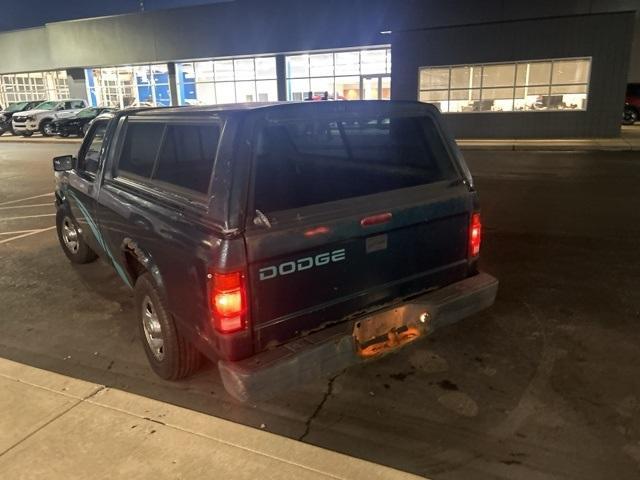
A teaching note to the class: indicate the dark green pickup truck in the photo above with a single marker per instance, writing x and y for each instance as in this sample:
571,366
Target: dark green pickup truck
283,241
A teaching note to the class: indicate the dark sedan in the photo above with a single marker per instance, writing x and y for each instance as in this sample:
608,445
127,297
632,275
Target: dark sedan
79,123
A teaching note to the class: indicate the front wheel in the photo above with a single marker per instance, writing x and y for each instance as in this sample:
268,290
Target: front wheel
629,116
170,355
46,128
71,241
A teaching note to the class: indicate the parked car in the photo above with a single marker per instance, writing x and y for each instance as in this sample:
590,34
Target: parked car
7,114
40,118
632,104
79,123
284,242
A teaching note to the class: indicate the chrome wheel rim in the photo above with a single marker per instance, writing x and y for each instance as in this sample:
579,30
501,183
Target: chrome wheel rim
48,129
70,235
152,329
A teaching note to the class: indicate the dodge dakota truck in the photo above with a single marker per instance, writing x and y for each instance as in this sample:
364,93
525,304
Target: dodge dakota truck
284,242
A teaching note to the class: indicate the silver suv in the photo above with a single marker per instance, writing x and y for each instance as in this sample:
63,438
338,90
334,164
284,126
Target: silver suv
40,118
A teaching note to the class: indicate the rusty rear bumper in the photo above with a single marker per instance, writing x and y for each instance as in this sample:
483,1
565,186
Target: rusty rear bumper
328,351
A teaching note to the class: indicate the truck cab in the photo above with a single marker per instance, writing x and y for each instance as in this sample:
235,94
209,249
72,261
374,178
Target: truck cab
282,241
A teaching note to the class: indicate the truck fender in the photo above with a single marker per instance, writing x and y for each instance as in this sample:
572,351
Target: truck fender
130,247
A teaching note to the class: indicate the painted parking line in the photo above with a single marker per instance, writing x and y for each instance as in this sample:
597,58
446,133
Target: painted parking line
11,202
33,232
28,216
28,206
17,232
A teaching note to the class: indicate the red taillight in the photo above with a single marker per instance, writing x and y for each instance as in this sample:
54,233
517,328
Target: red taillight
228,302
475,235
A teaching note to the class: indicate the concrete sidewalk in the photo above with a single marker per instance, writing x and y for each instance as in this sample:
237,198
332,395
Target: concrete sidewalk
58,427
629,140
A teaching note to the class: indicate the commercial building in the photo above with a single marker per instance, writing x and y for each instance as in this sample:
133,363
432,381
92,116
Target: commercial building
495,68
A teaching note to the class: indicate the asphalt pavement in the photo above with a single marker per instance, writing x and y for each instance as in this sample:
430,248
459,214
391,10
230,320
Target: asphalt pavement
543,385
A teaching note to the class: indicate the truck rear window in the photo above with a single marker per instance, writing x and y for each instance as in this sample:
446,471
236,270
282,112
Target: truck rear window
300,162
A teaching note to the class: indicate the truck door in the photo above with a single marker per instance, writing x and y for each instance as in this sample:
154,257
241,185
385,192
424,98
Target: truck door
82,188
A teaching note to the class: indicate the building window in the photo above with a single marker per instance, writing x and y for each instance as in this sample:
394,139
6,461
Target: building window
235,80
547,85
340,75
129,86
20,87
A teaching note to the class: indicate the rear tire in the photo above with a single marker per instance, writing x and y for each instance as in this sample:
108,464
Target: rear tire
171,356
71,241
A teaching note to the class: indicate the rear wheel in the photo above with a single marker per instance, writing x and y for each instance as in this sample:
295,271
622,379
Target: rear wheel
71,241
629,116
170,354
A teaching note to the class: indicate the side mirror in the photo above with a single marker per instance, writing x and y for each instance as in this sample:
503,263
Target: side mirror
64,163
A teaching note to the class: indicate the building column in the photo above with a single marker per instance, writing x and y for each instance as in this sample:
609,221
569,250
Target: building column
281,72
77,83
173,84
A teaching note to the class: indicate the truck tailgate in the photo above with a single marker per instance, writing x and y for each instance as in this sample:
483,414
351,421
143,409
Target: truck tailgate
309,275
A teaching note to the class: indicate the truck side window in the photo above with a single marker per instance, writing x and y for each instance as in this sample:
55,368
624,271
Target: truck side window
140,149
89,159
187,156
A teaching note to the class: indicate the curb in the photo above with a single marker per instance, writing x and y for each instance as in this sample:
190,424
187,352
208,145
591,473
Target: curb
41,140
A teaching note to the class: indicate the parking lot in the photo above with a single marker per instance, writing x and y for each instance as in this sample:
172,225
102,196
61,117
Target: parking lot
543,385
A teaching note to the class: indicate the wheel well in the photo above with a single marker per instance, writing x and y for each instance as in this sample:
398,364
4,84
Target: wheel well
135,268
44,120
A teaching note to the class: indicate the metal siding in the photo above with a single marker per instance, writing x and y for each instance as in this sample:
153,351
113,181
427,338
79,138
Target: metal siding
606,38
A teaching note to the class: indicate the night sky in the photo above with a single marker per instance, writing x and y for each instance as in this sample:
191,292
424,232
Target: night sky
34,13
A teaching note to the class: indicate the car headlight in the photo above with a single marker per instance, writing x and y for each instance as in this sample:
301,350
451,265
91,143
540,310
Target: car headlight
30,119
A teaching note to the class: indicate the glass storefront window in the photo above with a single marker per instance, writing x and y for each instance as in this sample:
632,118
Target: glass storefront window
22,87
339,74
266,90
129,86
321,65
347,88
203,71
373,61
347,63
244,69
223,70
561,84
265,68
236,80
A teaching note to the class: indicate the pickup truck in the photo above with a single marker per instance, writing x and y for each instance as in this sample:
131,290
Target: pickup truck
284,241
41,118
